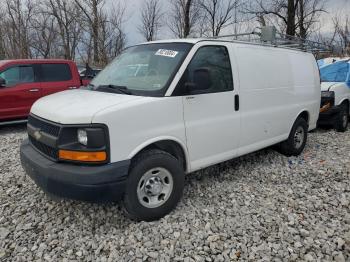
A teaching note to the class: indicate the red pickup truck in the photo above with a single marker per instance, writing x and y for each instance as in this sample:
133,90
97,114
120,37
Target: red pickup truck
22,82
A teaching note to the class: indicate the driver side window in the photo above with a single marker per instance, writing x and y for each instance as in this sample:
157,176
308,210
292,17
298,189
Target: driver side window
17,75
208,72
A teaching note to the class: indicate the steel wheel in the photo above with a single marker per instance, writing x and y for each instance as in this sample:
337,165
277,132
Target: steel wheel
155,187
299,137
345,120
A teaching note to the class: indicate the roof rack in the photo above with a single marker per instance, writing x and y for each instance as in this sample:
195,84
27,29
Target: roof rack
269,36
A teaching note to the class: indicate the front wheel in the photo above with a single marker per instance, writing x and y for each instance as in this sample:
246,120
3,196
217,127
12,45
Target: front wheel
154,186
342,122
296,141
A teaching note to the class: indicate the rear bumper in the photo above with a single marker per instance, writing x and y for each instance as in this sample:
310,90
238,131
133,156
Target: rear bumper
88,183
329,116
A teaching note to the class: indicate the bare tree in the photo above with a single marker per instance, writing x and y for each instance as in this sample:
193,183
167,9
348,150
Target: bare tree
62,29
18,15
342,31
308,14
218,14
112,37
151,16
293,17
92,12
2,35
281,10
45,40
69,25
184,17
103,35
328,39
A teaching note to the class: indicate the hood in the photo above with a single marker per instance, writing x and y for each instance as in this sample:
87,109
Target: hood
77,106
327,86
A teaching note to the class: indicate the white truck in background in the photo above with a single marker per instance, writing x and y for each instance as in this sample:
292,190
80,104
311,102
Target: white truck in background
198,102
335,101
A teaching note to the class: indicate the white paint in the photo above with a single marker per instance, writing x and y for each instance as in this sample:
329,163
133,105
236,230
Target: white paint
76,106
341,91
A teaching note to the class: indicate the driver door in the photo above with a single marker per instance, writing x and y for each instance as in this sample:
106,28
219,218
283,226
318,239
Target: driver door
19,93
211,110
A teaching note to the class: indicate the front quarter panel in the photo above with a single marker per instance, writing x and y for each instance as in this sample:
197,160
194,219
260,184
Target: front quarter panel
342,92
139,123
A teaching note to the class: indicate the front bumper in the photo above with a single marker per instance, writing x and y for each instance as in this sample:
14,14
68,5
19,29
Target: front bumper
329,116
88,183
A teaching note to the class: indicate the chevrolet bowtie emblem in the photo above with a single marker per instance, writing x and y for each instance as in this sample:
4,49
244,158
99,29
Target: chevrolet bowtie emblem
37,134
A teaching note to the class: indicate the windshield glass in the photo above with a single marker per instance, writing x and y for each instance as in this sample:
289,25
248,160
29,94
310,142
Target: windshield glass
337,72
144,69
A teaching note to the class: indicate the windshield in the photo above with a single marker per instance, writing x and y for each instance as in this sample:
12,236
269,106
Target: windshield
145,69
337,72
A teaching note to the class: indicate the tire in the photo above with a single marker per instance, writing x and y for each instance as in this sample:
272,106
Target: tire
342,122
154,186
296,141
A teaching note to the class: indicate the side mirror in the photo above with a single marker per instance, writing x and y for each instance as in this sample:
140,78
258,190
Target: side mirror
202,80
2,82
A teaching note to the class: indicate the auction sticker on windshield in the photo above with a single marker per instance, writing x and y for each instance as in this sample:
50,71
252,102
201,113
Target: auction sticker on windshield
168,53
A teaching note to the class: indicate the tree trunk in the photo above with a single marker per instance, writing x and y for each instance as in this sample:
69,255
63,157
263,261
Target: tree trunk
187,26
95,34
302,18
291,28
2,49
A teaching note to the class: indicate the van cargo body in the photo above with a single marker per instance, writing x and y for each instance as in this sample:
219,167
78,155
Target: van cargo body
136,131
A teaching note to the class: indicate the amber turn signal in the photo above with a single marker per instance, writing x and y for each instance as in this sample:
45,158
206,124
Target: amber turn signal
82,156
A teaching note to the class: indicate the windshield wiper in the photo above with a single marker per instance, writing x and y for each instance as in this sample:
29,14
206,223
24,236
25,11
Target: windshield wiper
114,89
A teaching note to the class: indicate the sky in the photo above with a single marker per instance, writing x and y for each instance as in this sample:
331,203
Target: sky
134,6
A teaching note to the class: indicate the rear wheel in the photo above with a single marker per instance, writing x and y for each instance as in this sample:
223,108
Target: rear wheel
342,122
154,187
296,141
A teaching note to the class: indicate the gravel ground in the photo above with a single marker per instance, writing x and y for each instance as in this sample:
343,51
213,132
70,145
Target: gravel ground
261,207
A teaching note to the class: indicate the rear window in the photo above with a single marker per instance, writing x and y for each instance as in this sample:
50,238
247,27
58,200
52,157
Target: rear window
55,72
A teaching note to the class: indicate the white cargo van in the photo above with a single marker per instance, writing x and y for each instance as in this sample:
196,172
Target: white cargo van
335,98
195,103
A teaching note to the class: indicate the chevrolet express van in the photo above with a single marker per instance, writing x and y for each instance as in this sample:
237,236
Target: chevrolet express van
195,103
335,100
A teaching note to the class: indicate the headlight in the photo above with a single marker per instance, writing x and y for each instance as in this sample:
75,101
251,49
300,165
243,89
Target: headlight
84,144
82,137
329,94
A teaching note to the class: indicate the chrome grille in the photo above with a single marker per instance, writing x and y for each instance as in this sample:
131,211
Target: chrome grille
46,150
44,126
47,128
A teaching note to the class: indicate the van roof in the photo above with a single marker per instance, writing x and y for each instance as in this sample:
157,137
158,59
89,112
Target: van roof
218,40
180,40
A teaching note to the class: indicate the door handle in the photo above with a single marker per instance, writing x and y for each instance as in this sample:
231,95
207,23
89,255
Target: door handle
189,97
34,90
236,102
72,87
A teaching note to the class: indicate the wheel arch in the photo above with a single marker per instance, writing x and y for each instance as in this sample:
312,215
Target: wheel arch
305,114
171,145
345,101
